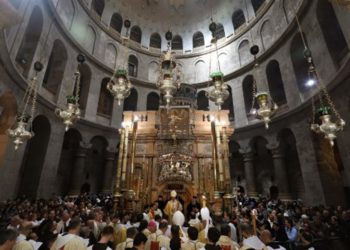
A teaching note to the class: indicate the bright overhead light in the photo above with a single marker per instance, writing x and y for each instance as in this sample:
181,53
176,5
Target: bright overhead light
311,82
212,118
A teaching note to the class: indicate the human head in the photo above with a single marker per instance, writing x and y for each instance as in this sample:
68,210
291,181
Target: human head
152,227
74,226
163,226
246,230
173,195
160,198
213,235
266,237
65,215
288,222
107,233
175,244
140,241
158,218
143,225
175,231
25,228
52,215
226,230
192,233
131,232
7,238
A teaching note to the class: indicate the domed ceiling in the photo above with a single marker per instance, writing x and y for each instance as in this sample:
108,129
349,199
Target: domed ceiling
178,15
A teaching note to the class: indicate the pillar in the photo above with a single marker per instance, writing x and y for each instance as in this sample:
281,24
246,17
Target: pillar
280,172
79,168
108,172
248,159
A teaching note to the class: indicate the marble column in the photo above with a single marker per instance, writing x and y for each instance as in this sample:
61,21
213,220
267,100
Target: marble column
79,168
280,172
108,172
249,172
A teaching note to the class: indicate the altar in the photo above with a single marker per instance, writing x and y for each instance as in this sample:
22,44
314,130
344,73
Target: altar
177,148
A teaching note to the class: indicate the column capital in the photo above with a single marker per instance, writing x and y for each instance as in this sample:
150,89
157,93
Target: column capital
276,150
248,153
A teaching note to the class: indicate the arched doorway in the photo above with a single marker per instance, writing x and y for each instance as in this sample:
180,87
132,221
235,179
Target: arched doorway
34,157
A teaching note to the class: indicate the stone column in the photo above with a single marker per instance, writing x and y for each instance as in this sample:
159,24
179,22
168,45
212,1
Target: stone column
280,172
108,172
78,174
249,171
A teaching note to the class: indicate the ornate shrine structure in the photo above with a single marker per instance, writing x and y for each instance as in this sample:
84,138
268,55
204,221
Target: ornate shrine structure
178,148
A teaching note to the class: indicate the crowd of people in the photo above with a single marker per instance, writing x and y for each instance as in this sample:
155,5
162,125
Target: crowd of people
91,222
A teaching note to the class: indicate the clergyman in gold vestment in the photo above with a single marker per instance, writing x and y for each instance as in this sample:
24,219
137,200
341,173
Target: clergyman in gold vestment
172,206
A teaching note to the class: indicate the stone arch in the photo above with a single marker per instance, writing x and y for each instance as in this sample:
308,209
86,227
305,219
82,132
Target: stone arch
105,101
152,101
299,62
98,6
34,157
201,71
71,144
153,71
228,105
90,39
111,55
133,64
85,80
116,22
266,34
287,144
275,81
66,11
8,105
332,32
263,165
238,19
244,52
202,100
55,67
95,163
130,103
136,34
198,39
236,163
248,84
257,4
176,43
155,41
30,41
224,62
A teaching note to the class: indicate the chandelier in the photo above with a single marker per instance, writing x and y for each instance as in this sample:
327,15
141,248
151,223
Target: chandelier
71,113
170,75
119,85
326,120
20,133
266,107
219,92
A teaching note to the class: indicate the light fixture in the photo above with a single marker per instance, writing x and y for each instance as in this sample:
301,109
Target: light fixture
20,132
119,85
218,93
71,113
169,79
267,108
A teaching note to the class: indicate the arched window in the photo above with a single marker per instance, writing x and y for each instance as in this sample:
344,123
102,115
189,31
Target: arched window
257,4
228,105
266,34
248,84
220,31
200,71
98,6
85,79
105,101
34,157
116,22
332,32
202,101
244,52
130,103
30,41
152,101
153,71
198,39
155,41
176,43
276,86
299,62
90,39
238,19
55,67
136,34
133,64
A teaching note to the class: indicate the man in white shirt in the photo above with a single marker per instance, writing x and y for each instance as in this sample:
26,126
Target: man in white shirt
249,239
267,239
158,237
62,225
130,235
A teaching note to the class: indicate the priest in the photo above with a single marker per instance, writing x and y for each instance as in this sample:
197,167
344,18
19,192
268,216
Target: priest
172,206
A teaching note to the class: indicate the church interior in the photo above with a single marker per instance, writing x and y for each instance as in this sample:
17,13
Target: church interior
234,108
